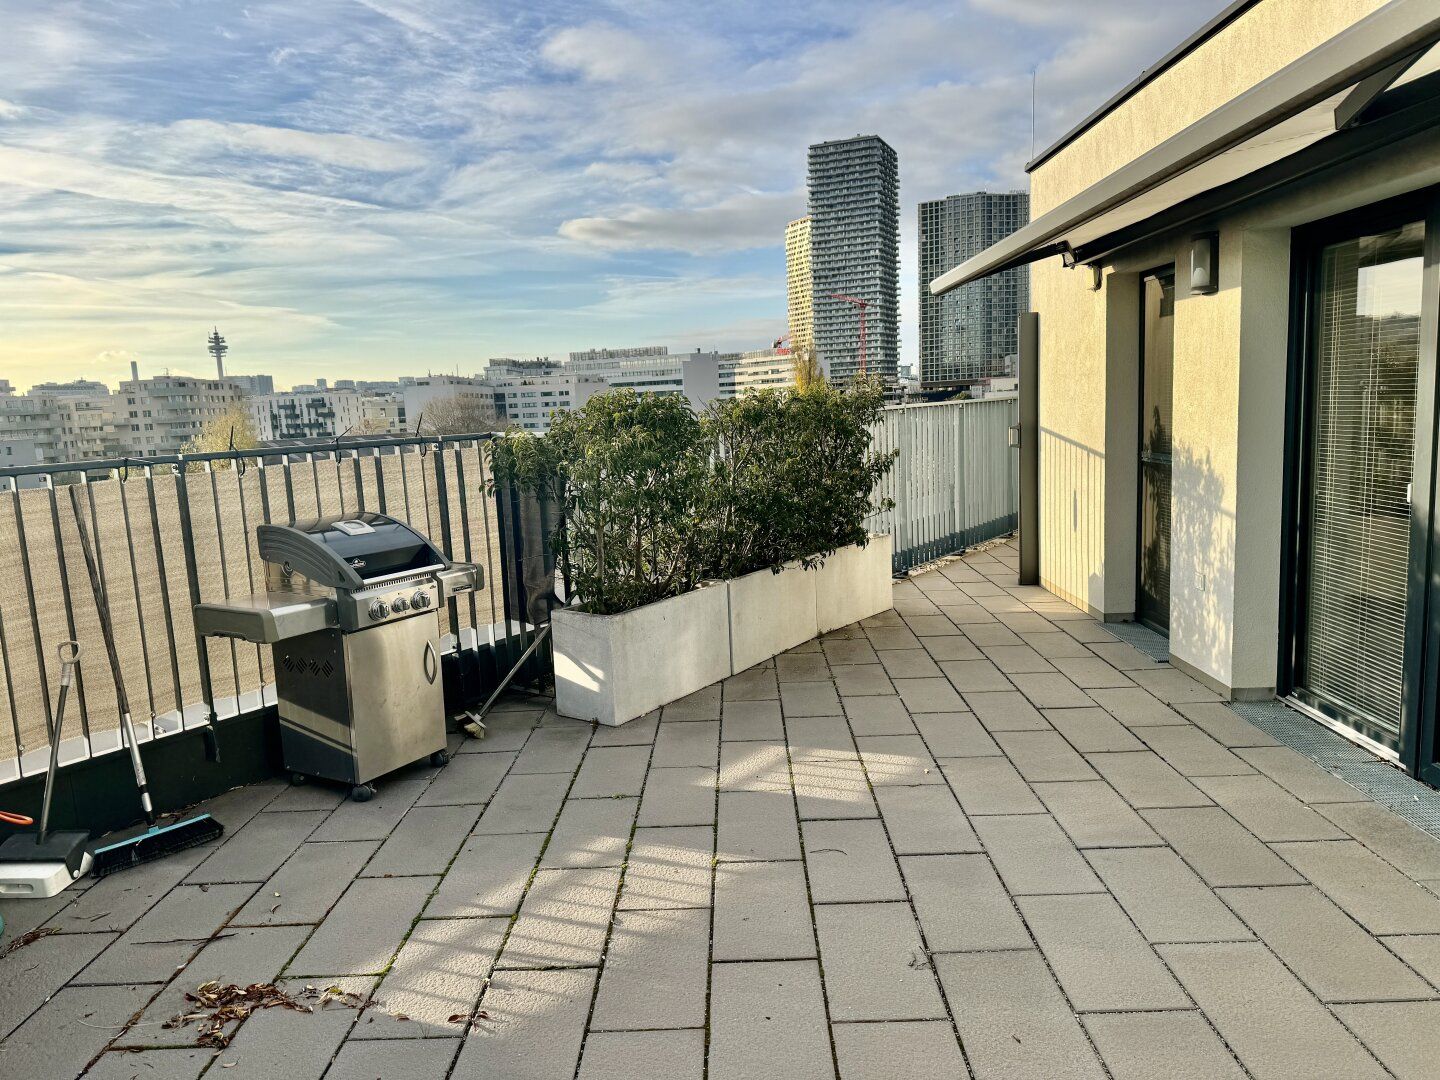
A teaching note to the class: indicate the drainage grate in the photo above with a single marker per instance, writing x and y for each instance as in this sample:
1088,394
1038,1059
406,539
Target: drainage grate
1381,781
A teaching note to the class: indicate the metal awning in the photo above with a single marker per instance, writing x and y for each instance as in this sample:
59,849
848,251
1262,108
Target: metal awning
1305,102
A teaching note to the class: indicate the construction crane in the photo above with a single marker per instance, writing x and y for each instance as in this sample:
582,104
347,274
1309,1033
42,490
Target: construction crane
864,306
779,344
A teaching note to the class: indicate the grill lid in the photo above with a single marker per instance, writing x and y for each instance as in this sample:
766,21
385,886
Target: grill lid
348,552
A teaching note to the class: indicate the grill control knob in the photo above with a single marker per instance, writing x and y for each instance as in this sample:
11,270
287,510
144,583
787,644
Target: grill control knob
420,600
379,610
400,604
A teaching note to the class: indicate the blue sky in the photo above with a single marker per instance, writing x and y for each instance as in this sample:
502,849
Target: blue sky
380,187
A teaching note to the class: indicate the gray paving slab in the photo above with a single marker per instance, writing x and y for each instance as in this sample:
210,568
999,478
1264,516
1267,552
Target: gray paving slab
1092,730
1053,644
284,1042
1016,659
1166,899
925,820
1033,855
172,1064
1329,952
610,771
817,698
849,862
857,680
755,684
1412,852
1051,691
908,664
819,737
766,1020
1136,707
1173,686
71,1027
693,743
929,695
656,971
1091,673
1005,710
856,650
1013,1021
669,868
975,676
1372,892
961,905
917,1050
257,850
591,832
1094,815
467,779
953,647
705,704
1146,781
563,920
307,885
875,965
1267,809
1299,775
877,716
1190,752
190,912
366,1060
439,972
679,796
622,1055
1148,1045
555,747
1221,851
32,974
989,785
898,761
1405,1036
488,877
832,788
755,766
745,721
757,825
1099,958
365,927
1420,951
1121,656
762,912
800,667
638,732
957,734
524,804
424,842
892,637
1272,1023
1224,725
1043,756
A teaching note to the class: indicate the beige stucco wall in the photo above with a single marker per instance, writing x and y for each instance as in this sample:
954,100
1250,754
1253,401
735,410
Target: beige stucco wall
1256,45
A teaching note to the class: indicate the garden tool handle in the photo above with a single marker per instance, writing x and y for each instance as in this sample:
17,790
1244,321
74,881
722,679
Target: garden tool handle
69,653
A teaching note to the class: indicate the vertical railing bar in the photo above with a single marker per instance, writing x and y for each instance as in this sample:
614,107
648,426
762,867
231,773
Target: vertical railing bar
517,567
165,592
35,634
224,572
135,588
425,493
339,481
249,575
380,480
285,468
446,537
10,693
405,485
315,482
502,526
465,529
69,603
192,577
489,551
359,480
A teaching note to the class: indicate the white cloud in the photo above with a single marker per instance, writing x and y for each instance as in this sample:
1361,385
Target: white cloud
345,151
605,53
736,224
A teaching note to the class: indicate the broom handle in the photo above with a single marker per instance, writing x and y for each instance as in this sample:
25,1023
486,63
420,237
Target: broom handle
69,657
107,631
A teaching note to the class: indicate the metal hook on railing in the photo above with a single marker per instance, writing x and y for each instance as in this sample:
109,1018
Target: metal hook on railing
419,422
240,463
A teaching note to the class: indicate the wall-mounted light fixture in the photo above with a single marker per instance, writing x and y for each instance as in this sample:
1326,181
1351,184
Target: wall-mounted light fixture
1205,264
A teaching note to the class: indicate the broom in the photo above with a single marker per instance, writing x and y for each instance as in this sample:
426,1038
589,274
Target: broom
157,840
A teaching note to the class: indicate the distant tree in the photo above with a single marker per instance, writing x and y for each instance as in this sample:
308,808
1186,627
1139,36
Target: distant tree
460,414
232,429
807,367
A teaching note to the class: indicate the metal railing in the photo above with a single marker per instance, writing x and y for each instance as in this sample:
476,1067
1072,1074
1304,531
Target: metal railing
176,530
955,481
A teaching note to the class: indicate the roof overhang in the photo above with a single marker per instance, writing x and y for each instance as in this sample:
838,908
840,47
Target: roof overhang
1310,100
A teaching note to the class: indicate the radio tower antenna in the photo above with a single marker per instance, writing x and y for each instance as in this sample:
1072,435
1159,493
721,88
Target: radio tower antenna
217,348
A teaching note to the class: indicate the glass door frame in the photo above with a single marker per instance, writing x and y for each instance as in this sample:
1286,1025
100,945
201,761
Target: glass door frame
1415,745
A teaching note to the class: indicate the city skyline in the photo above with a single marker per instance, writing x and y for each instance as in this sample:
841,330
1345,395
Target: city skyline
396,186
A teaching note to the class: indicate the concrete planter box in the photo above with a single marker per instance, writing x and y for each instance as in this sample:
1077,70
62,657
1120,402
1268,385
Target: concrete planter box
854,584
770,613
613,668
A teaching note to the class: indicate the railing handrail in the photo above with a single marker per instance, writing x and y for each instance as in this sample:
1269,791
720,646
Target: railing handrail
1004,395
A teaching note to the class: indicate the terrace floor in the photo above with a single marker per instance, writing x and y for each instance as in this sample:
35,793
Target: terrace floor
977,833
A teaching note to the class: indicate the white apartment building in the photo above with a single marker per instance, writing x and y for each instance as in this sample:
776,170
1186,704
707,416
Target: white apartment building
417,393
307,416
758,370
653,369
158,415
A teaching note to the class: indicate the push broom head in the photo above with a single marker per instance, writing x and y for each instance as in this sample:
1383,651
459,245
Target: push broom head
155,843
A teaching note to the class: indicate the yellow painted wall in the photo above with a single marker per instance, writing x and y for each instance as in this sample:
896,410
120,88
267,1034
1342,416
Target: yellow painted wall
1249,50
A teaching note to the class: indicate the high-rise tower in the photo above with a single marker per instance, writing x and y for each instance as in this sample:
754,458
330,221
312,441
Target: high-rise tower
855,252
799,289
969,334
217,348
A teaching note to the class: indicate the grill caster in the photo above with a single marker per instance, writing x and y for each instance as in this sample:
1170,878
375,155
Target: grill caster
299,779
440,757
362,792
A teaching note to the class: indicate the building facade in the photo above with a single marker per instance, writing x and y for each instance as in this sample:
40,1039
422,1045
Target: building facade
968,334
307,416
762,369
799,285
159,415
854,194
1236,281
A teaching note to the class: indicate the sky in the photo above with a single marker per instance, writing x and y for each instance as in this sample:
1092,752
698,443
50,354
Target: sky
370,188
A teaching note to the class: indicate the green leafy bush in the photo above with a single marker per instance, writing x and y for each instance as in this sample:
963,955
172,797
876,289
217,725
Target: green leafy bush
656,500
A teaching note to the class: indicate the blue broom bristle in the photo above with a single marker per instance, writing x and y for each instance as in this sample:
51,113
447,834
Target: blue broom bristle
155,844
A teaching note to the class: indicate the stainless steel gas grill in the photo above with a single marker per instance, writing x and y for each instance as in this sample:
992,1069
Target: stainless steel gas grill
350,607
